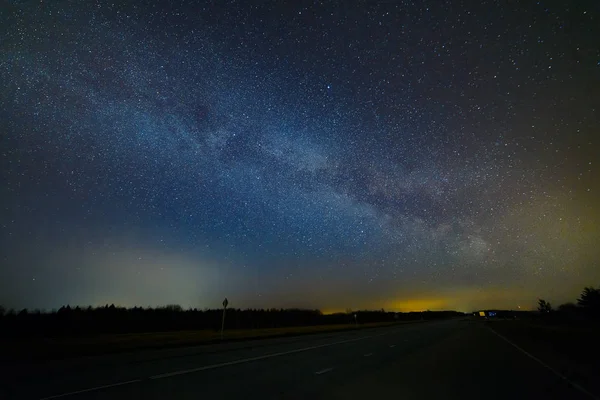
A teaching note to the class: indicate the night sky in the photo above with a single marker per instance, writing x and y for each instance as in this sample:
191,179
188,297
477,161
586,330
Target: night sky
395,154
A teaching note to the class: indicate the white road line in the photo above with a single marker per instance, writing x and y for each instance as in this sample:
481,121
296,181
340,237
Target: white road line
245,360
91,389
225,364
543,364
392,346
323,371
368,354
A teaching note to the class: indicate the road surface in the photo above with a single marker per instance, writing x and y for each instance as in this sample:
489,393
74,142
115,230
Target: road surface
457,359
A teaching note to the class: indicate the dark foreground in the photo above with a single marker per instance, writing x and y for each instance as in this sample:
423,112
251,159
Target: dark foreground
449,359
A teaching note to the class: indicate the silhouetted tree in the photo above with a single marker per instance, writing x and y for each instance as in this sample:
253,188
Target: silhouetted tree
568,308
173,308
77,321
544,307
589,301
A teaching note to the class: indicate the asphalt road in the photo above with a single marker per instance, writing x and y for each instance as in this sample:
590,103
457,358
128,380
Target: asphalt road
431,360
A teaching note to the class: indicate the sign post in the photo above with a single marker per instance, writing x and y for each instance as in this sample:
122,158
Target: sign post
225,303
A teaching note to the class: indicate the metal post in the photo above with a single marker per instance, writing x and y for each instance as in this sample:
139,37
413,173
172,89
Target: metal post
223,323
225,303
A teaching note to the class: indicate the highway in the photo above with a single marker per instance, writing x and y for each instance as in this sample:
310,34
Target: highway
457,359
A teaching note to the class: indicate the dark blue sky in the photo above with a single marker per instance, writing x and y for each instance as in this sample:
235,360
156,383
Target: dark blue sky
335,155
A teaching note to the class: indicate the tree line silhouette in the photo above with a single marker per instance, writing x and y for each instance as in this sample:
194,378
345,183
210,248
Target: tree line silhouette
108,319
586,308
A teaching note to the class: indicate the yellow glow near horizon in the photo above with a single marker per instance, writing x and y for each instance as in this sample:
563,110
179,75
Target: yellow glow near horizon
467,300
424,304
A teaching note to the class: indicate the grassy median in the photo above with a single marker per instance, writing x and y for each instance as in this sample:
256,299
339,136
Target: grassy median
55,348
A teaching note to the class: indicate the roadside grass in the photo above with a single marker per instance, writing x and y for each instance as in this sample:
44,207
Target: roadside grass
66,347
576,342
571,349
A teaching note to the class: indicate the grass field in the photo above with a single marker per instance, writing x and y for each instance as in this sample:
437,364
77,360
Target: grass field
572,350
53,348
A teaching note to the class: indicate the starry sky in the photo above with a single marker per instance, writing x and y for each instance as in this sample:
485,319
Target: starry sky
336,155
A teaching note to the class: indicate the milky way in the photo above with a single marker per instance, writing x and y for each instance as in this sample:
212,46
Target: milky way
298,154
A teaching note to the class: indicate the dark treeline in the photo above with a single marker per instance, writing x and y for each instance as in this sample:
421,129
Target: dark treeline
587,308
77,321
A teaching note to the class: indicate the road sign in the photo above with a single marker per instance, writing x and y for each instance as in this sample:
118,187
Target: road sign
225,303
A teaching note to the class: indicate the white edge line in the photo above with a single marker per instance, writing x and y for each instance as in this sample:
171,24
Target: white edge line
392,345
368,354
323,371
555,372
91,389
187,371
245,360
